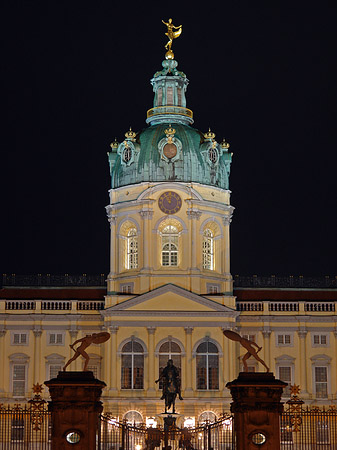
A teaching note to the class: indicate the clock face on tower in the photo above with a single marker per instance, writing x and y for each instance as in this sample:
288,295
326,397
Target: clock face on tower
169,202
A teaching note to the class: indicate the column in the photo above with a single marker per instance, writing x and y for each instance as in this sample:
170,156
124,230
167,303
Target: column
112,361
151,366
73,336
303,361
2,352
266,344
188,361
37,355
226,359
113,240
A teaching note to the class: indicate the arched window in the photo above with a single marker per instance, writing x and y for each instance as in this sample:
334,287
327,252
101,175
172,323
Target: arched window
133,418
132,249
207,362
132,365
207,417
208,250
169,350
169,240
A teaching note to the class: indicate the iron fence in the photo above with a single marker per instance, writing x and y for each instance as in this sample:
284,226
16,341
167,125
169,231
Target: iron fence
208,436
27,427
308,428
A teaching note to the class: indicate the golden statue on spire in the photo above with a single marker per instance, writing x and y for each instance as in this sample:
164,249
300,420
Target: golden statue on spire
171,34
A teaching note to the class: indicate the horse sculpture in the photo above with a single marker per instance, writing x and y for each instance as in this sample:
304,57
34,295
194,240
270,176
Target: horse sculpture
171,385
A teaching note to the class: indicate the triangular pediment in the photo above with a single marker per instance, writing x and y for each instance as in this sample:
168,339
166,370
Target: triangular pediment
170,298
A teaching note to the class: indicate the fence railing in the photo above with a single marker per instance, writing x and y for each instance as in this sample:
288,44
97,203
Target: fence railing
208,436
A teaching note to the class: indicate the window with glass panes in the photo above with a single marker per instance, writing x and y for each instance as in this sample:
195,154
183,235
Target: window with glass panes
132,366
132,249
54,370
169,240
169,350
19,380
285,375
208,250
17,428
321,382
207,363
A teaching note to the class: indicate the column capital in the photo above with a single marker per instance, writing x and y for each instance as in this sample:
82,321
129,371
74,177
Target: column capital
2,332
226,220
302,333
151,330
73,333
193,213
37,332
146,213
266,333
188,330
113,329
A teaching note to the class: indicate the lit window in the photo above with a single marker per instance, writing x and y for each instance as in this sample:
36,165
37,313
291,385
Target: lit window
126,288
285,375
207,363
133,418
169,350
208,250
207,417
170,246
321,382
18,428
323,431
54,370
19,380
132,249
132,365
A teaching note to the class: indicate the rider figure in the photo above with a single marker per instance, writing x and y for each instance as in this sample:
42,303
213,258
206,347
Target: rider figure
170,375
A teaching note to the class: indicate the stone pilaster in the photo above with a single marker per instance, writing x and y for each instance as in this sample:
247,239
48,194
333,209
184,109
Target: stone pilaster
302,334
37,354
151,366
188,361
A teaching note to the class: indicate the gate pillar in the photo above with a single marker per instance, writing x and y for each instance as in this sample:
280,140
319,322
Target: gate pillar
75,408
256,407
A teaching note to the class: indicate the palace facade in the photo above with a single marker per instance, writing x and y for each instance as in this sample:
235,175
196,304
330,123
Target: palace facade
169,293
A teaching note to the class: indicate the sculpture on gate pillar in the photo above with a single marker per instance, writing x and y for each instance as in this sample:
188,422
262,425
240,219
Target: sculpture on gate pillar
248,345
95,338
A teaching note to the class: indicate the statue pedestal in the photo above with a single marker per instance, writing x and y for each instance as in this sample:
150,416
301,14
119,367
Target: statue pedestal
257,407
75,408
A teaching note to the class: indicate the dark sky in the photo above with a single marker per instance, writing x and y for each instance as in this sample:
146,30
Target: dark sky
77,75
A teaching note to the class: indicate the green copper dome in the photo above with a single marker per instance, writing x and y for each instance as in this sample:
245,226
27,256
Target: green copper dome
170,149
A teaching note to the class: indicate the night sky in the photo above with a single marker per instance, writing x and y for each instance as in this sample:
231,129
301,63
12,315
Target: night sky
77,75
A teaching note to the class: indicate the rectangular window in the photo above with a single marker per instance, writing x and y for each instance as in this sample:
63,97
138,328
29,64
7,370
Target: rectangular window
169,96
19,380
159,97
126,288
250,337
284,339
213,288
321,382
20,338
320,339
17,428
55,339
54,370
285,375
322,432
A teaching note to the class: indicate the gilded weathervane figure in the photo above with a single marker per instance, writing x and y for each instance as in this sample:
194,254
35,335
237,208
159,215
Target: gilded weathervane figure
171,34
249,346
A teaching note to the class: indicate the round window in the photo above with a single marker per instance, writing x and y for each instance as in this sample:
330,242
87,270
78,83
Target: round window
73,437
258,438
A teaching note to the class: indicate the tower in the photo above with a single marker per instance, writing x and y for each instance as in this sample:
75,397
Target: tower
169,205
